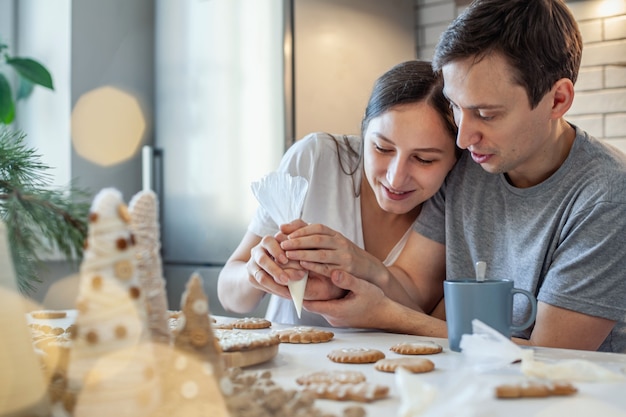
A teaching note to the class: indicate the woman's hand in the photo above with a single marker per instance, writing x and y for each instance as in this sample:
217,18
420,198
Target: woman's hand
321,249
270,271
269,268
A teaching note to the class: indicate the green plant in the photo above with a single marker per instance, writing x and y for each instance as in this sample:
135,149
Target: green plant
40,219
29,73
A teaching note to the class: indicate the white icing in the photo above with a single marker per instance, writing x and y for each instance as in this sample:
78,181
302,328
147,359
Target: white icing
233,339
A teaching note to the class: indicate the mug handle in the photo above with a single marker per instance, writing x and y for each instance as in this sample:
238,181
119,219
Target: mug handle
533,309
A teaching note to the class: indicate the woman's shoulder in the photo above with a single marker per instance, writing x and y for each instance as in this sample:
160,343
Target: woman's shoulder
322,151
325,141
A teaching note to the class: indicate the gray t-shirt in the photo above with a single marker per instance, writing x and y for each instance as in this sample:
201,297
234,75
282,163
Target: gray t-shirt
563,240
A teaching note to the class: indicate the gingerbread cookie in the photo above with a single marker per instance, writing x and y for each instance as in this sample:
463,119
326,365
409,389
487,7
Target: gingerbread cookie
252,323
222,326
414,365
237,340
362,392
356,355
534,390
303,334
48,314
416,348
331,377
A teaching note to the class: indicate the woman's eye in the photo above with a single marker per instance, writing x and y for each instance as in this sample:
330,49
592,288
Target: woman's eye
423,161
381,150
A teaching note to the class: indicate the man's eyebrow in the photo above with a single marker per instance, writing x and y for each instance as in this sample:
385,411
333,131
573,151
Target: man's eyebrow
475,106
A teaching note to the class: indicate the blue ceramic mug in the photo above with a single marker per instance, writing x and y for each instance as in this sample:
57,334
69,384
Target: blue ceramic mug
490,301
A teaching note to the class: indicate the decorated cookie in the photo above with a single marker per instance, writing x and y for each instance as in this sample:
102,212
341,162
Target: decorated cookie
251,323
48,314
416,348
243,340
356,355
362,391
223,326
534,390
332,377
414,365
304,334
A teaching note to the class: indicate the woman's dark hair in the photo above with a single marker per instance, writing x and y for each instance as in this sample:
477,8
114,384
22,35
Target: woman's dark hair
539,39
408,82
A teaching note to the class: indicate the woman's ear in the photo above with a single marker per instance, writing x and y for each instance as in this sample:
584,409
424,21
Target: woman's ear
563,97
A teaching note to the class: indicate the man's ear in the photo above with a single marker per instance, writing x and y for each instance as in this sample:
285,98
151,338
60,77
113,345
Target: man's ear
562,97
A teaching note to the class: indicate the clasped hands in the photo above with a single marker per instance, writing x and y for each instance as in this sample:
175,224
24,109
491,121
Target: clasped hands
296,249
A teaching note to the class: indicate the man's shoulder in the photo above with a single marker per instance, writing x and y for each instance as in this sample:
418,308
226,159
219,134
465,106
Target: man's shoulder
602,153
599,168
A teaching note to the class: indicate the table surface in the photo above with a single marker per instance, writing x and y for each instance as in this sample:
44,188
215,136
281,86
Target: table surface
450,376
605,398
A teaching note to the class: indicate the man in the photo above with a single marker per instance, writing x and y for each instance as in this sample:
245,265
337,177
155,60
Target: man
538,199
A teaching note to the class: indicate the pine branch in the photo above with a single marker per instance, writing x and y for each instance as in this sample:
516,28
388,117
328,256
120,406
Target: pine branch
40,219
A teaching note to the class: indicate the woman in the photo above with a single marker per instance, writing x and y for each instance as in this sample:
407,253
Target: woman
364,194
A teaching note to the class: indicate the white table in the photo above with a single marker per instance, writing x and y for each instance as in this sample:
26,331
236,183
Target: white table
293,360
605,399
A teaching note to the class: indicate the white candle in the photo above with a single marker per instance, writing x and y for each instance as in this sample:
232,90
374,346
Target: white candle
146,167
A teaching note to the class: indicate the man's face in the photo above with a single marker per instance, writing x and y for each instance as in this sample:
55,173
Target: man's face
496,123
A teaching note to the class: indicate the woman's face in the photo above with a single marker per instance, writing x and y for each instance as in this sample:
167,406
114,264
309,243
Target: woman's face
407,154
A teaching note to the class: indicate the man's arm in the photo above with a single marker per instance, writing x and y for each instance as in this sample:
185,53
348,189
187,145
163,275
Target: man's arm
562,328
366,306
420,270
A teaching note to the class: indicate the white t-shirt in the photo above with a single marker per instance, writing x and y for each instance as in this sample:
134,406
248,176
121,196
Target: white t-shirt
331,200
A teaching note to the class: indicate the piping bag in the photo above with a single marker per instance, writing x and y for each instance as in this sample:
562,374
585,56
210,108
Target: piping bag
282,196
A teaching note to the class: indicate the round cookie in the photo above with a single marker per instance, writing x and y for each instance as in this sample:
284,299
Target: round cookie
356,355
304,334
414,365
252,323
223,326
332,377
362,392
48,314
416,348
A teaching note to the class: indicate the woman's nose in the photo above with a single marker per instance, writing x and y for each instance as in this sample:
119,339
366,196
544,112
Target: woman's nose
396,172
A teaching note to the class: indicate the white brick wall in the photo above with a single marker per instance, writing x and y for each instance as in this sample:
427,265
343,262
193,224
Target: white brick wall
600,103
